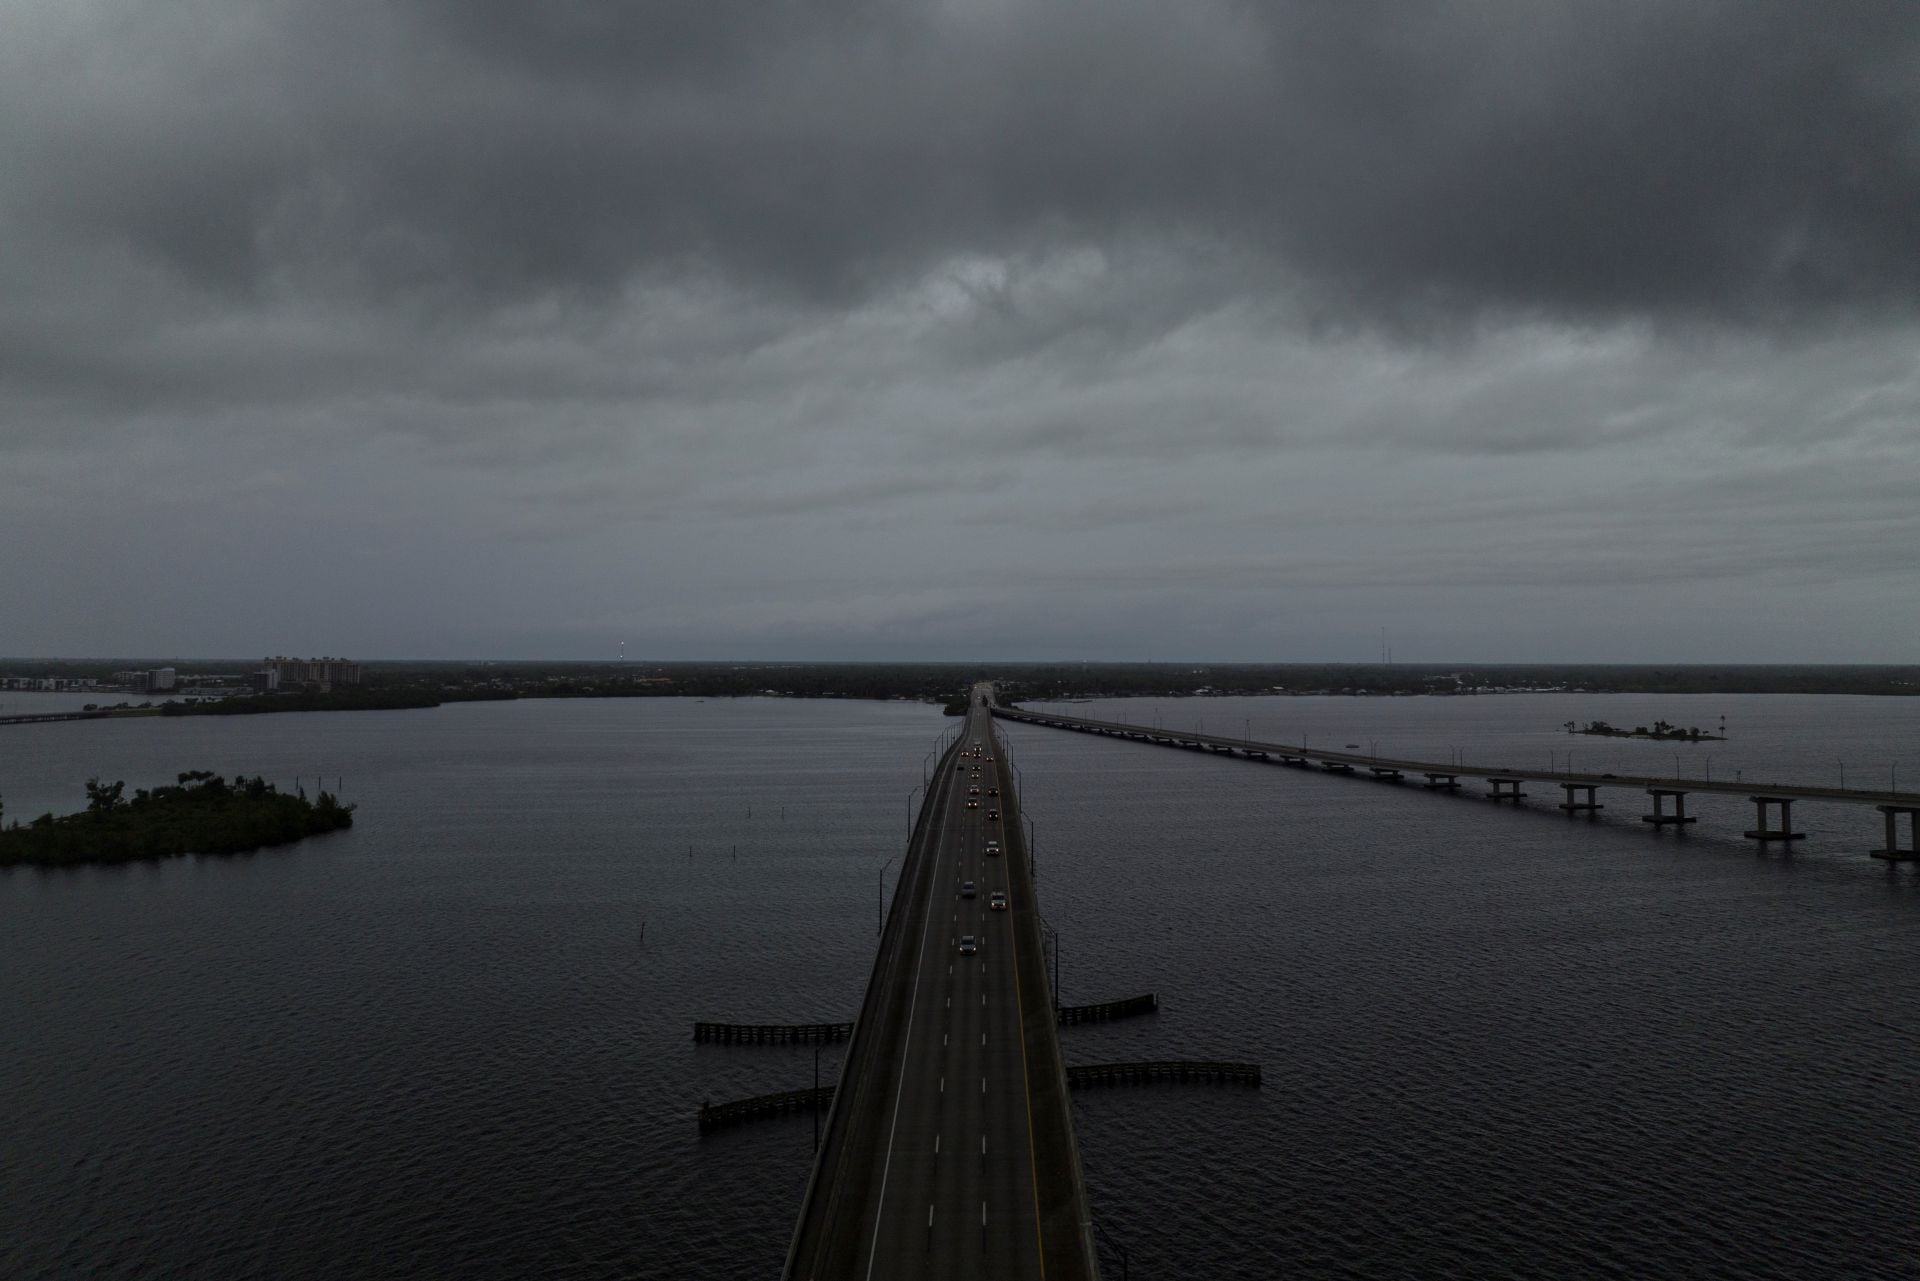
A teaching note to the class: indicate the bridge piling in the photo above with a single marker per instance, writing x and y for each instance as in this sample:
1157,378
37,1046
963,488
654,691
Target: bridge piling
1762,832
1660,817
1587,806
1439,782
1506,789
1893,853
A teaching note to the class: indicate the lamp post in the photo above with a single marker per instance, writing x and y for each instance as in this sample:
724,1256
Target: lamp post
879,898
1033,861
910,794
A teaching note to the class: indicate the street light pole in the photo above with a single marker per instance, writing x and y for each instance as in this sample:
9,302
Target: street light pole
916,787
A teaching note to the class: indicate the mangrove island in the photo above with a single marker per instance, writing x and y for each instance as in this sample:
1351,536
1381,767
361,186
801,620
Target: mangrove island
201,814
1661,730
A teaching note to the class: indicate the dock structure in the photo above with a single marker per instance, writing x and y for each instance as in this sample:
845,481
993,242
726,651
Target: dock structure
771,1033
1506,783
718,1116
1106,1011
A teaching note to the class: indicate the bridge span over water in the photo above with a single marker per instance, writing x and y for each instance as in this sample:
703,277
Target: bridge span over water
1773,803
948,1151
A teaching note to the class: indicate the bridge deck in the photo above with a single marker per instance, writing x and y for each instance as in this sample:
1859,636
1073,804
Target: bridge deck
949,1150
1791,791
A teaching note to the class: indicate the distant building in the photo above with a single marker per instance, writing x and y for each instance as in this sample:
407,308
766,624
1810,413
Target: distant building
323,674
163,678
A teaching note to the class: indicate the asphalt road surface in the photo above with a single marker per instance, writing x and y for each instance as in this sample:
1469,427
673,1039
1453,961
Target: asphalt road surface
934,1170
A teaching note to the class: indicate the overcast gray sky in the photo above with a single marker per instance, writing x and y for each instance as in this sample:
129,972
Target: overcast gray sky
1522,329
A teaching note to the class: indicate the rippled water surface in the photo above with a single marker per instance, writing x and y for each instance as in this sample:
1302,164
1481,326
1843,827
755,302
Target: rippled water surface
455,1040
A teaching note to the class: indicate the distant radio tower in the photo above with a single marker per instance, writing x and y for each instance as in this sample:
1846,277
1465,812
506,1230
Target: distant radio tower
623,651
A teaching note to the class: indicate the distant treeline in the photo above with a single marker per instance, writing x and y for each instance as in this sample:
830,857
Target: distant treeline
202,814
357,699
403,684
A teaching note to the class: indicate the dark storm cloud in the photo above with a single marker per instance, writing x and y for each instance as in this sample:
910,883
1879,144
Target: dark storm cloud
1233,327
1747,159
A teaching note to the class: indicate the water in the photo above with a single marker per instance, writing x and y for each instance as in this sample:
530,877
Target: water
1496,1043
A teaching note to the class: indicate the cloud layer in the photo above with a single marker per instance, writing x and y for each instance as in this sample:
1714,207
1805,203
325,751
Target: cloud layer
1010,328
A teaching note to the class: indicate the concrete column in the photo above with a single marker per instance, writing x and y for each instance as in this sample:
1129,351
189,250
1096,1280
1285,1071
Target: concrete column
1506,789
1589,805
1762,832
1893,853
1660,817
1450,782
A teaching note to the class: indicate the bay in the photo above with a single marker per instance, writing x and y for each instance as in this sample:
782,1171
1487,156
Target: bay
1495,1043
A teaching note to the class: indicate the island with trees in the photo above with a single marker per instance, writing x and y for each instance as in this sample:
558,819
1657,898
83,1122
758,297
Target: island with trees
201,813
1661,730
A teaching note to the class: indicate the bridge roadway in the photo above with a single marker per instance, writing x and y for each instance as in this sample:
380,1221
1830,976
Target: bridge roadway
949,1148
1362,761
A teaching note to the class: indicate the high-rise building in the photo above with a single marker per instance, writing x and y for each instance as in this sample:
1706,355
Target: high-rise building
315,673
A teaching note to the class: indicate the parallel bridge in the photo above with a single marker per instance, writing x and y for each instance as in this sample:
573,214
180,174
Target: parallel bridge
1773,802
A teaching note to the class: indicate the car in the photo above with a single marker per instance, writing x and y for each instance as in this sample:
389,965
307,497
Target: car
973,805
973,791
966,889
993,816
967,945
993,848
993,791
997,901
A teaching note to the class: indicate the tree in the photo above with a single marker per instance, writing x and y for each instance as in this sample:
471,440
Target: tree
101,797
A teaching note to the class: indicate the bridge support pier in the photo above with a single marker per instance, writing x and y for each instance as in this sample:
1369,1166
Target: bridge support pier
1762,832
1893,853
1386,774
1439,782
1337,767
1588,806
1506,789
1660,817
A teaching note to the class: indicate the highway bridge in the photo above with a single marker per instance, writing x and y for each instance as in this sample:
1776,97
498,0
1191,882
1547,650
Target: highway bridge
1773,802
948,1151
